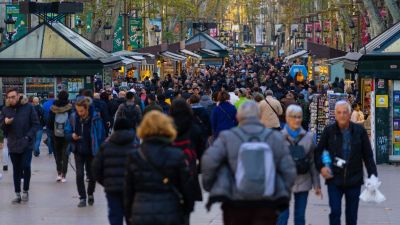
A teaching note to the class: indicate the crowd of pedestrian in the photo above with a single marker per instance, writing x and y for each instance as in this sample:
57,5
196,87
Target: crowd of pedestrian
243,125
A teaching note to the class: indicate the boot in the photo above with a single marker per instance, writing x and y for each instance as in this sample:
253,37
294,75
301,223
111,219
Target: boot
5,168
17,199
91,200
82,203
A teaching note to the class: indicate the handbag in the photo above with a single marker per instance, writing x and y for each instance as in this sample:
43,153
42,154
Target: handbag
165,179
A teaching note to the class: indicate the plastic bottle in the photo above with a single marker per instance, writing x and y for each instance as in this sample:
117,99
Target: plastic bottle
326,159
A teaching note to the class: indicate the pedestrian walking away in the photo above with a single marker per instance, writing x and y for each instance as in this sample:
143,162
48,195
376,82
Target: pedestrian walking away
249,170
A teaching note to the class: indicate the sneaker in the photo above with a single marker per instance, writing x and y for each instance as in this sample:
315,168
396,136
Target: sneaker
5,168
59,178
17,199
82,203
91,200
25,196
63,180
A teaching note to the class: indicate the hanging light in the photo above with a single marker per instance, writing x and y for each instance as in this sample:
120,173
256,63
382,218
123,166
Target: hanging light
107,30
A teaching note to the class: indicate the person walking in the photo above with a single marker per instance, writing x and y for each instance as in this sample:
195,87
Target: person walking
20,121
40,113
46,107
152,104
301,144
130,110
6,156
270,110
242,92
109,166
86,133
59,115
239,156
156,176
348,146
223,116
357,116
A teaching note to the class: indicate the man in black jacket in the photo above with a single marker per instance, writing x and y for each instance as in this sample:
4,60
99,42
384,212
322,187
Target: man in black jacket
348,146
20,121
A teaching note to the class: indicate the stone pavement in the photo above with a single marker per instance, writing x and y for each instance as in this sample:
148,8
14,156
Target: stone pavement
53,203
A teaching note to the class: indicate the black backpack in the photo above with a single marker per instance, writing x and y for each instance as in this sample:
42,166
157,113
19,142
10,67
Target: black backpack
299,156
132,114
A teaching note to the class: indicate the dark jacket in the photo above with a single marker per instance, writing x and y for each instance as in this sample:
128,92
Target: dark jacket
202,119
352,174
101,107
223,117
113,106
109,164
54,110
40,113
21,134
152,106
148,201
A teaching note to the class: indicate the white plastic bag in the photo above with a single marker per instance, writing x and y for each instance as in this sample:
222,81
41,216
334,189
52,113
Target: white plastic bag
371,192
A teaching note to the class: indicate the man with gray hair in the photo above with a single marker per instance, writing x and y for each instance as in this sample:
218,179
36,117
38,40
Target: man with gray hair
236,171
347,146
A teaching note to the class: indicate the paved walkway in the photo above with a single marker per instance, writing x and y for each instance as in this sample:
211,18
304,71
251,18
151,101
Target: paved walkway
54,203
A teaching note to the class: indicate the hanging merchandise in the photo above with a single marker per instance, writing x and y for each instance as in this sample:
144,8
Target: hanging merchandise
332,99
319,114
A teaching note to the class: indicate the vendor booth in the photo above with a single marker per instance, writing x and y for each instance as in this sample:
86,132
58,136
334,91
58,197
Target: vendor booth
212,51
52,57
379,70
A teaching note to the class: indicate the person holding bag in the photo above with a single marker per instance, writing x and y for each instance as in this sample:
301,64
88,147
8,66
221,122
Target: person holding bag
270,110
156,178
301,145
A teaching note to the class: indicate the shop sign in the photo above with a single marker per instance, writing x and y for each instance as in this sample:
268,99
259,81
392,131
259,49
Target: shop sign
381,83
20,21
117,43
382,101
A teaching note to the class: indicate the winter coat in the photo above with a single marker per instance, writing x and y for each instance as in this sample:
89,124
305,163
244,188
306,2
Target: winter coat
269,118
305,182
134,111
202,119
219,179
109,164
152,106
46,107
114,104
40,113
223,117
361,153
101,107
21,133
97,132
148,200
53,111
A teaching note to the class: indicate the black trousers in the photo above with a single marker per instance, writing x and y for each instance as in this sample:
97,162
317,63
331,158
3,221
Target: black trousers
61,155
21,169
82,163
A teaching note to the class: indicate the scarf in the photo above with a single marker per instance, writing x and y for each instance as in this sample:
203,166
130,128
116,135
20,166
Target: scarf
293,133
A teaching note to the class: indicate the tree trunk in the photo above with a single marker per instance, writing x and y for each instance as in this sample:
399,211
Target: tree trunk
393,9
375,20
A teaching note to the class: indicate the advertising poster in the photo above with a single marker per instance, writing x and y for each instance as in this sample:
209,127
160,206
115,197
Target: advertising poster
396,124
136,33
382,101
396,137
20,28
396,149
118,43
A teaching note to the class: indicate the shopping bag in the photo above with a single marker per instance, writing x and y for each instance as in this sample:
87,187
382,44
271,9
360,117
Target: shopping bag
371,192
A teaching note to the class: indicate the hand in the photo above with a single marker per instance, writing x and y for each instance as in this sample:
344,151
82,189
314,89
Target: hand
318,192
75,137
108,124
326,173
8,121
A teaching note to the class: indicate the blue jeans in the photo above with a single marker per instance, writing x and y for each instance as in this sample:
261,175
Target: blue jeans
115,208
335,202
50,143
39,135
300,204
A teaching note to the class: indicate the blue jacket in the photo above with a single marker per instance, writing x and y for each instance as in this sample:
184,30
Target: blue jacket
97,131
46,106
223,117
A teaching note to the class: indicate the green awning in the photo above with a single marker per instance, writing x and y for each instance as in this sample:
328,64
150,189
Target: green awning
383,65
50,68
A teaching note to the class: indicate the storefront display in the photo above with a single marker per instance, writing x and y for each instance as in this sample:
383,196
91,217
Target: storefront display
396,118
319,114
72,85
39,86
332,100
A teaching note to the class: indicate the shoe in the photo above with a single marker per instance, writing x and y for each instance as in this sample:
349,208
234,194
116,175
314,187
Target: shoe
82,203
25,196
5,168
36,154
63,180
59,178
17,199
91,200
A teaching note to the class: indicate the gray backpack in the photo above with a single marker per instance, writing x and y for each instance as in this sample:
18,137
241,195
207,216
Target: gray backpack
59,124
256,172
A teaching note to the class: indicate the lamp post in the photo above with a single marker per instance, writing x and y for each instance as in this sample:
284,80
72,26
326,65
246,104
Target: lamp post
10,27
107,30
79,26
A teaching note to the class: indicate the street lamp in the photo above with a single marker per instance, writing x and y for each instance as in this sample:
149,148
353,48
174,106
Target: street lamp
10,26
79,26
107,30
